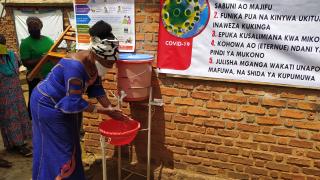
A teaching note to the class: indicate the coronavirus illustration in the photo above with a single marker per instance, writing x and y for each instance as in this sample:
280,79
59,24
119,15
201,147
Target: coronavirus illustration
184,18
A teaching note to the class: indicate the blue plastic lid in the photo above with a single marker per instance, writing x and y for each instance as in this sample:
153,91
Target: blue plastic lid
135,57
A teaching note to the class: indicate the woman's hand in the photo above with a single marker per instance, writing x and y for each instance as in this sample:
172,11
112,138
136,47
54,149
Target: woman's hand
114,113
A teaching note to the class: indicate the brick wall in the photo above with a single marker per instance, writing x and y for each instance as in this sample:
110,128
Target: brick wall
212,128
233,130
8,27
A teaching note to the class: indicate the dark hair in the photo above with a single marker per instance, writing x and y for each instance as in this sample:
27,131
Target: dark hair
101,30
34,23
2,39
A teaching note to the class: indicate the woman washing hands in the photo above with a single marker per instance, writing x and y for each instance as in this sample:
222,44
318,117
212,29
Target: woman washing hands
57,104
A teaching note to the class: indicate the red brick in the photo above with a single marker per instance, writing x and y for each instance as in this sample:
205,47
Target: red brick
257,171
196,129
191,160
217,105
183,119
248,128
240,168
214,123
206,139
278,166
178,150
205,154
274,174
253,91
228,142
253,100
234,98
181,135
186,85
313,154
264,138
199,121
232,107
303,134
195,145
241,160
307,106
230,125
237,175
269,121
273,102
244,135
263,156
253,109
170,109
170,91
281,149
245,153
314,172
279,158
301,144
284,132
292,176
151,28
222,165
228,150
139,36
198,112
184,101
199,103
247,145
232,116
207,170
294,114
273,111
283,141
298,161
201,95
170,126
149,37
260,163
266,130
151,8
226,133
316,137
307,125
292,95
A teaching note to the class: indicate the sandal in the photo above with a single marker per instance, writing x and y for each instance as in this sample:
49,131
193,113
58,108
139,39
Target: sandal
5,163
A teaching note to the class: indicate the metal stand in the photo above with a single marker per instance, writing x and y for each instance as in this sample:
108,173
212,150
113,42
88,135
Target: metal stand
152,102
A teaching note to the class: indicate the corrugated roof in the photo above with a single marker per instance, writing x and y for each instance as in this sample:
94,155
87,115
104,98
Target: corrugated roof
37,1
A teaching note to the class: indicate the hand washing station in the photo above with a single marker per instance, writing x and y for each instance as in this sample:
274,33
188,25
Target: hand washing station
134,84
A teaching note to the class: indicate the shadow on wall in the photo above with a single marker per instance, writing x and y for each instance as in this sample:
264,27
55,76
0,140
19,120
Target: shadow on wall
160,155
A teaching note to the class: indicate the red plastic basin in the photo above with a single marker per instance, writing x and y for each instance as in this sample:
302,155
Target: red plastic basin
119,132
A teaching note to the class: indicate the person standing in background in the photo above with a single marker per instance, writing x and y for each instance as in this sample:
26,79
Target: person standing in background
14,120
32,49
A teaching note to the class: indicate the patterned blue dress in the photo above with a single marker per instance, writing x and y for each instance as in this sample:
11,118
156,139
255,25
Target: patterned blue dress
57,114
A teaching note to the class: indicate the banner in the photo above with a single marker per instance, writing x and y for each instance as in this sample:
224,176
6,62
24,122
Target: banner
259,41
118,13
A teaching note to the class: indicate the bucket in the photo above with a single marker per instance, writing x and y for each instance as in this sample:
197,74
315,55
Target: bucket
119,132
134,75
